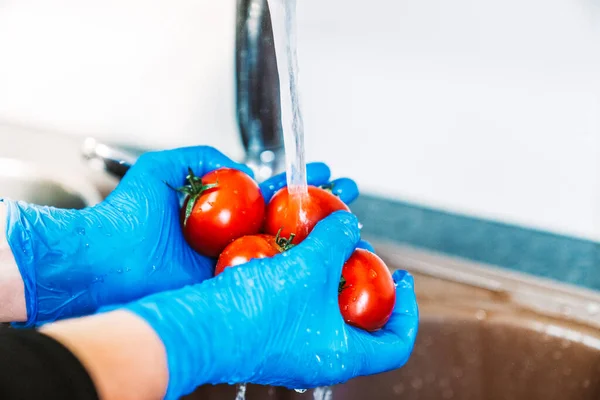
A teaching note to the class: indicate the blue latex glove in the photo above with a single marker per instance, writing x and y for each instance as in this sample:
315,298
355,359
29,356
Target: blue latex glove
129,246
277,321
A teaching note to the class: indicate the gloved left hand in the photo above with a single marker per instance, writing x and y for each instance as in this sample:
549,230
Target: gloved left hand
130,245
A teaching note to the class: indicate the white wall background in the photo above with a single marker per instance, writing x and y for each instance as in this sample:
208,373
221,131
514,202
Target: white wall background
486,107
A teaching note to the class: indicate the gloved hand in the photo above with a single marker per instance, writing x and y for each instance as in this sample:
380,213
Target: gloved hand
277,321
129,246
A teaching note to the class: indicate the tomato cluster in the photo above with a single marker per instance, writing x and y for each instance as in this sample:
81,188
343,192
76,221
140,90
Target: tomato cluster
224,215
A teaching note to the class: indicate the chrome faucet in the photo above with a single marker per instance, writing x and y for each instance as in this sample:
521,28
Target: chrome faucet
257,89
257,99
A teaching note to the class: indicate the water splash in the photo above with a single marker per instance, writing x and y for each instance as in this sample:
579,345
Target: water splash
323,393
241,393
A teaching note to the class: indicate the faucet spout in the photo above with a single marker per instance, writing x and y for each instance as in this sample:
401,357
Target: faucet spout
257,89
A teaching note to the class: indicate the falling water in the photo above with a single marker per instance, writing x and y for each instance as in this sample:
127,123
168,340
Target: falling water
241,393
322,393
283,21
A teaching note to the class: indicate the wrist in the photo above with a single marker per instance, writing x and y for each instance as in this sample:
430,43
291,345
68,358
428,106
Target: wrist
194,324
121,353
12,291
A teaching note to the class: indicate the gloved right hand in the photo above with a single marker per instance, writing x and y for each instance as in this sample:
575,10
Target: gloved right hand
277,321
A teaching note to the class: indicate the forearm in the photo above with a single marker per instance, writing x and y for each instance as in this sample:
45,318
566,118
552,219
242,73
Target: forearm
12,291
122,354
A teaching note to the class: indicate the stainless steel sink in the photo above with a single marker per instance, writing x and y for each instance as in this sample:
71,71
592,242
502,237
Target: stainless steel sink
48,169
33,183
484,334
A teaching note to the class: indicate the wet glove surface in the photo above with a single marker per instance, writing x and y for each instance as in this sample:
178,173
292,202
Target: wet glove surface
277,321
128,246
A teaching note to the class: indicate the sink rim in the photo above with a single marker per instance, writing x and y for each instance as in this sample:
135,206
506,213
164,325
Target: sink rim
73,183
509,290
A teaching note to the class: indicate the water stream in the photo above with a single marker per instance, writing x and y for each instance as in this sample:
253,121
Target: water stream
283,21
241,393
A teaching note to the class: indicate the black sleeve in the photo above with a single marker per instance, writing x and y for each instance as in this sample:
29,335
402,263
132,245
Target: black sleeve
35,366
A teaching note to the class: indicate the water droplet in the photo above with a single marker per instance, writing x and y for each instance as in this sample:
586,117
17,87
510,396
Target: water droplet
119,271
417,383
372,274
565,343
586,383
318,358
87,245
546,337
481,315
300,390
593,308
281,281
398,389
81,231
127,269
250,282
428,341
307,330
318,332
337,355
565,310
154,268
457,372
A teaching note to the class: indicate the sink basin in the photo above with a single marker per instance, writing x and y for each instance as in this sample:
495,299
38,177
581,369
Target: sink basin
485,334
20,180
47,168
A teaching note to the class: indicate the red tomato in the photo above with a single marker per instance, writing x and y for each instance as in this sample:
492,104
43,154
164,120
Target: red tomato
367,291
300,215
222,206
246,248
